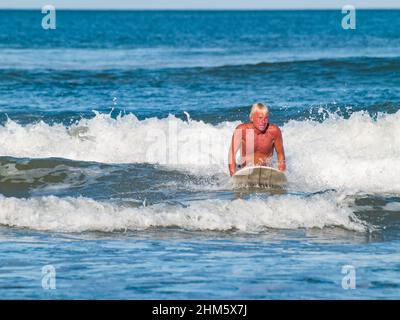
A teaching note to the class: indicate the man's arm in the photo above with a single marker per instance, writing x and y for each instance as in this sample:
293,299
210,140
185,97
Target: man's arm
234,147
279,150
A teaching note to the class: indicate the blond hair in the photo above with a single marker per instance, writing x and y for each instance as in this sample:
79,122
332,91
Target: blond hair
258,107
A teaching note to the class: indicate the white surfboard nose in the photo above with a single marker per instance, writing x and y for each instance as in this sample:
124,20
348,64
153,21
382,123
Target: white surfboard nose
259,176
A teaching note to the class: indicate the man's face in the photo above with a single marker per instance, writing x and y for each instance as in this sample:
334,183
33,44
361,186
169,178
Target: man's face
260,120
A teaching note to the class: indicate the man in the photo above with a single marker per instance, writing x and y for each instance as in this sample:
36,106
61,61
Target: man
257,141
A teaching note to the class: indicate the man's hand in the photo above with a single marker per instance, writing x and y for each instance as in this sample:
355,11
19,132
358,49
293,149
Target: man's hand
235,145
280,151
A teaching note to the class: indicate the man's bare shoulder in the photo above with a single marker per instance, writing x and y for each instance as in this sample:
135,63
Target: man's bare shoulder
274,129
244,126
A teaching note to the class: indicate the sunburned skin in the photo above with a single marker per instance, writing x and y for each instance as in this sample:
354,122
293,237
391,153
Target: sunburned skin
257,141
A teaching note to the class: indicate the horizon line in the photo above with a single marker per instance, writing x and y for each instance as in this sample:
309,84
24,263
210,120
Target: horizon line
200,9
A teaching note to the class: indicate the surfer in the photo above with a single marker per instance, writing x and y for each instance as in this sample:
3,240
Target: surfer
257,141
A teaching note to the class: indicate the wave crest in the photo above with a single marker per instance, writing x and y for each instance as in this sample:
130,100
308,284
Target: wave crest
360,153
252,216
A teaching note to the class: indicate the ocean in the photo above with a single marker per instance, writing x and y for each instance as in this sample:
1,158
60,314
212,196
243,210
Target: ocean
114,137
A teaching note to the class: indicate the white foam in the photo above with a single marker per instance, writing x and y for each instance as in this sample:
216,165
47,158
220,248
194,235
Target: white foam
357,154
82,214
193,145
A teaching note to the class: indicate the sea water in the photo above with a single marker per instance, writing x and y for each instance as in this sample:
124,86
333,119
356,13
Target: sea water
114,135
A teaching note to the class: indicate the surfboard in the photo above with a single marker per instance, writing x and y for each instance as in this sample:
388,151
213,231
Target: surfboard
259,176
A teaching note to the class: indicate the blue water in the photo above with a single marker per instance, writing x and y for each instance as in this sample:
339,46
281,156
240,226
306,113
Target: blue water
87,110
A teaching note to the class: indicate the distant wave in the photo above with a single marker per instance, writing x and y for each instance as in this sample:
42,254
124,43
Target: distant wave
390,61
178,58
359,66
